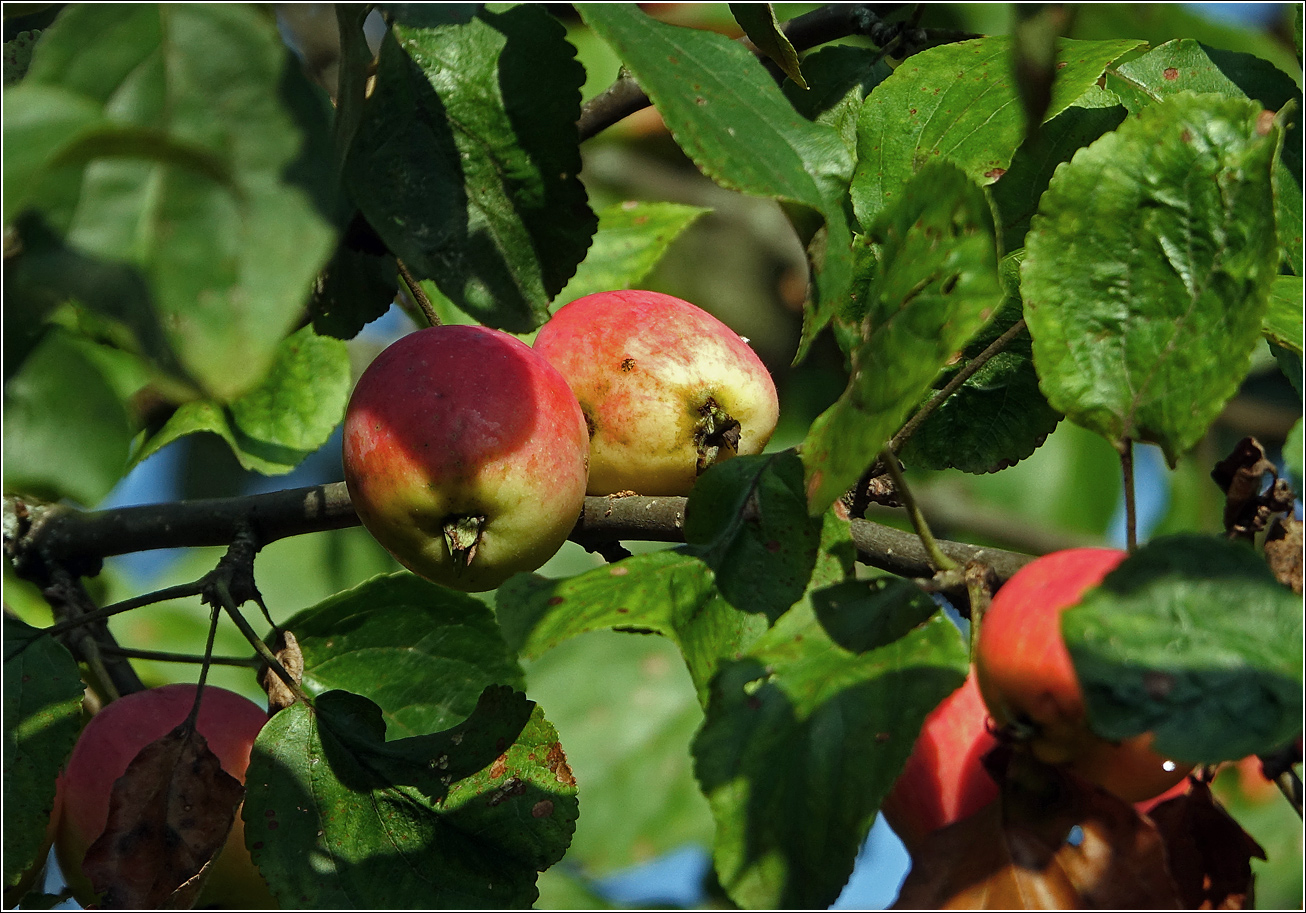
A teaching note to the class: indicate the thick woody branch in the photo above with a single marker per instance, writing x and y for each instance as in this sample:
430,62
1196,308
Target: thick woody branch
63,536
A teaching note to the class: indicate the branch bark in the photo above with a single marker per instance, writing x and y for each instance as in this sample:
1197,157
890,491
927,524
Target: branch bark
58,535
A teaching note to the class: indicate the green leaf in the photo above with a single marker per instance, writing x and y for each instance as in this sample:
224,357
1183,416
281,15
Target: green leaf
759,24
731,119
18,56
66,433
929,283
1283,320
357,286
631,239
958,102
629,725
42,717
165,139
839,78
1148,268
998,416
753,552
460,818
289,415
804,737
421,652
1189,66
1293,453
467,161
1015,196
1193,638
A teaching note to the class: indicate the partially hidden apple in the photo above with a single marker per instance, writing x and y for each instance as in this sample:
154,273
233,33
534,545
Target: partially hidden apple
944,780
465,455
109,742
1028,680
667,389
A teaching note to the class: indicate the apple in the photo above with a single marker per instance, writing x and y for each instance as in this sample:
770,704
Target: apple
465,455
109,742
1029,685
667,389
944,780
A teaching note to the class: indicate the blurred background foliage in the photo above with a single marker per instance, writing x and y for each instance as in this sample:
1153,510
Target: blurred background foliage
623,703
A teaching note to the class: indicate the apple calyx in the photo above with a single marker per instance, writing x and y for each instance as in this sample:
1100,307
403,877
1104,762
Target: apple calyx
462,535
716,428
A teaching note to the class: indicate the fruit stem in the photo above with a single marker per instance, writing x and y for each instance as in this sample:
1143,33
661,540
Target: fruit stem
463,535
1290,785
716,429
415,288
1131,508
938,560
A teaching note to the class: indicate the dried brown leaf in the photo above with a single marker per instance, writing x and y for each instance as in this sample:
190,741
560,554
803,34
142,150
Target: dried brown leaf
1208,852
1051,841
1283,552
169,815
286,649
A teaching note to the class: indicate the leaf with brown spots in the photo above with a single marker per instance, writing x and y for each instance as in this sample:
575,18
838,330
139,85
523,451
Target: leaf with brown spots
1051,841
1210,855
169,814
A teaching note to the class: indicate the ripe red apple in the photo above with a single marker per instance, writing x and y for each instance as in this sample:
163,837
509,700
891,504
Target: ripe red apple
465,455
1028,680
667,389
944,780
109,742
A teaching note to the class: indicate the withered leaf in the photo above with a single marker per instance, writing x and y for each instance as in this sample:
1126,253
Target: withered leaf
286,649
169,814
1283,552
1210,855
1240,476
1050,841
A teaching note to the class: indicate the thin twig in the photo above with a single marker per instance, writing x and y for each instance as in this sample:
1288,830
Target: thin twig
938,559
415,288
180,591
268,657
164,656
963,374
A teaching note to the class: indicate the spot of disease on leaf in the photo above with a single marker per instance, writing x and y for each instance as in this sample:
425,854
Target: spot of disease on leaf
673,60
1062,65
542,809
1171,74
772,546
995,173
1186,136
1158,684
700,100
556,600
1264,123
557,761
619,571
499,767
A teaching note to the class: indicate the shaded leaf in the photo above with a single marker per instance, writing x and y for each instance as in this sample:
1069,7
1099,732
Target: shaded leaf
631,239
928,281
289,415
731,119
804,738
421,652
839,78
169,815
753,551
18,55
1135,267
66,433
1017,853
1208,853
958,102
466,161
998,416
137,118
1188,66
42,716
357,286
1193,638
759,24
423,821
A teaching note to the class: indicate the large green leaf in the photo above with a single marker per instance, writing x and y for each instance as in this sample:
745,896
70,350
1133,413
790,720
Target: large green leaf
1193,638
42,716
1189,66
806,733
290,414
66,433
958,102
1148,268
1283,318
337,816
421,652
998,416
753,552
466,161
727,114
927,284
170,140
631,239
